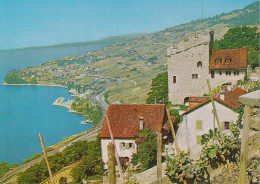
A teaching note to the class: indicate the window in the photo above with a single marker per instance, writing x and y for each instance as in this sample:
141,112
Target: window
122,145
199,64
194,76
236,72
218,61
198,125
174,79
130,145
199,138
212,74
226,125
228,72
228,60
220,72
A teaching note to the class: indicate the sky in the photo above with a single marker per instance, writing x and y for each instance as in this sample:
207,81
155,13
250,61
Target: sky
25,23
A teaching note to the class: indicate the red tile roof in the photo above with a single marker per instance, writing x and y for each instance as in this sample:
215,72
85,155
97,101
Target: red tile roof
231,99
194,101
124,119
238,58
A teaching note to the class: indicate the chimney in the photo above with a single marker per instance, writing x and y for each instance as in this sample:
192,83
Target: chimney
229,86
141,123
222,95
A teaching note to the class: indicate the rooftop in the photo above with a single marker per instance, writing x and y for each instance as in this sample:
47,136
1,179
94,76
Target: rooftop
228,59
231,99
124,119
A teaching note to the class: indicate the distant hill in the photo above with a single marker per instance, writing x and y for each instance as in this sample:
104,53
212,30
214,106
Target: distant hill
107,41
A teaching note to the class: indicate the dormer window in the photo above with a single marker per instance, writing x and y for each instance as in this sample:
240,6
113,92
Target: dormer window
199,64
141,123
218,61
228,60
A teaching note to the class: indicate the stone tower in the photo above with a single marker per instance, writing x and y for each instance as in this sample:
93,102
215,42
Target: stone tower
188,66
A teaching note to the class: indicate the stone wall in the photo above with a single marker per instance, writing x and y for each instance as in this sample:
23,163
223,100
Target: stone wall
190,75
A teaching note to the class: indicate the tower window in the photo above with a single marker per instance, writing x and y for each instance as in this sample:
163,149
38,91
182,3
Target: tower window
174,79
194,76
199,64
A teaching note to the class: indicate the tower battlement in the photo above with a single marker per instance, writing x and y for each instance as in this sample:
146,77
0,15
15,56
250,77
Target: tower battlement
194,39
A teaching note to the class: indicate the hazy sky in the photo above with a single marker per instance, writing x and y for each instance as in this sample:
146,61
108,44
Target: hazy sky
26,23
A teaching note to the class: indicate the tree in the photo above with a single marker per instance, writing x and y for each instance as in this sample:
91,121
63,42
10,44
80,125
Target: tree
159,89
242,37
147,153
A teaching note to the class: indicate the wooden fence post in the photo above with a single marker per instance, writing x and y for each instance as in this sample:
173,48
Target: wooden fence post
174,138
111,163
116,154
46,158
244,145
159,158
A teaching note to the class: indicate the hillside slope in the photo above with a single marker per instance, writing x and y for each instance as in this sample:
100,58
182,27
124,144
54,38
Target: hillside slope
135,62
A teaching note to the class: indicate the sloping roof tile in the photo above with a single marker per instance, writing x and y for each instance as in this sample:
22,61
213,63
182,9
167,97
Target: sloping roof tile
231,99
124,119
238,58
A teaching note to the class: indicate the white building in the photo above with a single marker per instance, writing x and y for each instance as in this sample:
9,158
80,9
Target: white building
126,121
199,119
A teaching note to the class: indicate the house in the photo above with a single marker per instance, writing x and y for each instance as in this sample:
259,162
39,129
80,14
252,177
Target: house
199,118
126,121
193,61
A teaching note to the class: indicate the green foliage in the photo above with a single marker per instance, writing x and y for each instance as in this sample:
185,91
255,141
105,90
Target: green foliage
33,81
4,168
77,151
147,152
191,170
91,165
14,79
242,37
36,155
215,151
83,105
159,89
63,180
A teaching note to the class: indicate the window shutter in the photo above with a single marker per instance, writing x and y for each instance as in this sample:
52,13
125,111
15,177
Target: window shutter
231,126
222,125
199,125
199,137
133,145
127,145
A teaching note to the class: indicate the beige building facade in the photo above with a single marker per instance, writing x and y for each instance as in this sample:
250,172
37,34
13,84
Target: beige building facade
192,62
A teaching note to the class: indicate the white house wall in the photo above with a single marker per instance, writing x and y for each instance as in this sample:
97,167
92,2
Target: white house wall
122,152
187,132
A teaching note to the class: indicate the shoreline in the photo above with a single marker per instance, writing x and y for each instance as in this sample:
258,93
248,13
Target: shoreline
47,85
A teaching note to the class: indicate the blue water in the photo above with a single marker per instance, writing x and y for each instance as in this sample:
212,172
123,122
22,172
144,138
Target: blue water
26,111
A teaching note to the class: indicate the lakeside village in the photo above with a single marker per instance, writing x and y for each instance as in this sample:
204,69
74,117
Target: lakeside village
201,138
